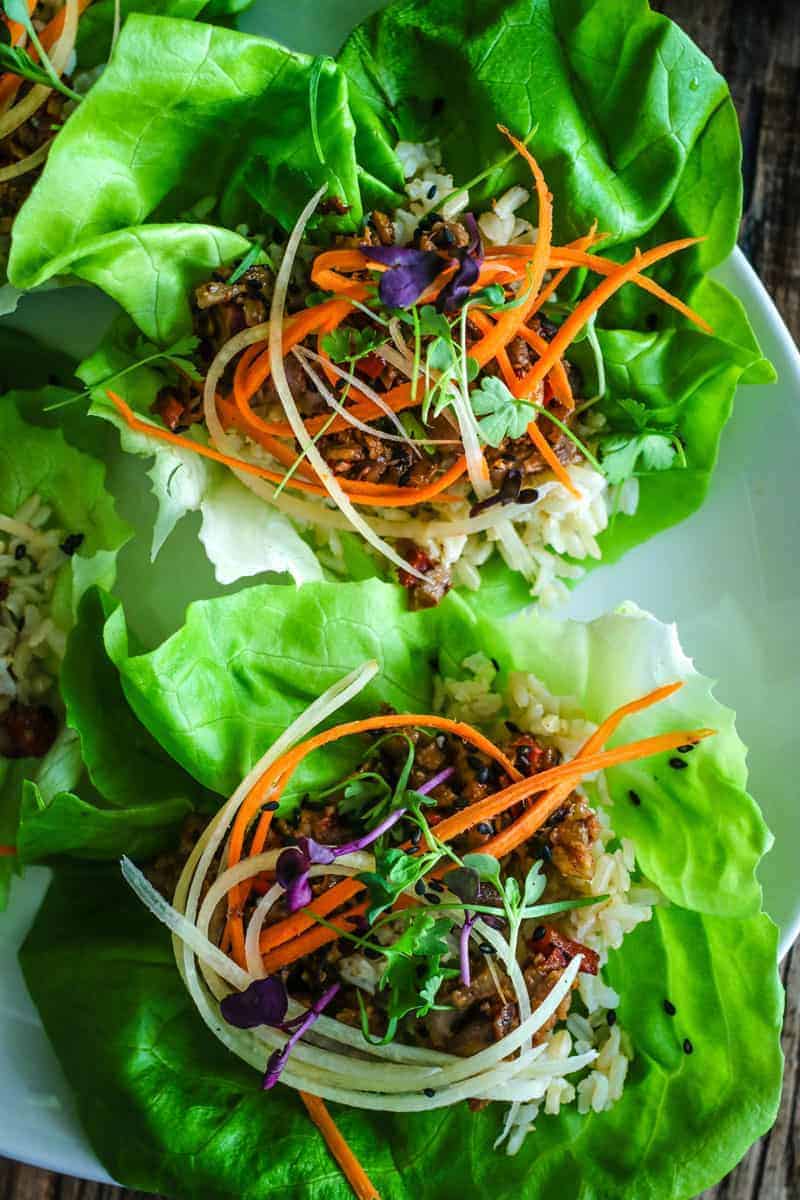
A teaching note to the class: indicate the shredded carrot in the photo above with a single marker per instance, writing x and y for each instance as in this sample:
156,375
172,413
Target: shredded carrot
8,851
551,458
511,321
587,307
275,778
374,494
508,839
604,266
352,1170
568,773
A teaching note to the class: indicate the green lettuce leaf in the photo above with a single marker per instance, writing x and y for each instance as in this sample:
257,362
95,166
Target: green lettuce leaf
96,26
242,536
184,113
101,969
40,460
134,793
668,166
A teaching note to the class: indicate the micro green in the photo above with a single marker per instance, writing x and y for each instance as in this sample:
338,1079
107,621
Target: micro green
23,64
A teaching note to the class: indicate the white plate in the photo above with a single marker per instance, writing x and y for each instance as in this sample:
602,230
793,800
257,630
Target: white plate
730,577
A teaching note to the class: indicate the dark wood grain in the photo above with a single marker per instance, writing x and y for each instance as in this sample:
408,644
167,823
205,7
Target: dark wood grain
756,45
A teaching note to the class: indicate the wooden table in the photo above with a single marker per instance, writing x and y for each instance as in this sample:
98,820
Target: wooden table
756,45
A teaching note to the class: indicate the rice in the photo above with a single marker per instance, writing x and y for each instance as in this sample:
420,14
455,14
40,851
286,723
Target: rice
31,644
592,1024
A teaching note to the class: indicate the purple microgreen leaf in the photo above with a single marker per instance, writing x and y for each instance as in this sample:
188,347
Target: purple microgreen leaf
456,292
316,853
411,272
264,1002
277,1061
434,781
368,838
463,949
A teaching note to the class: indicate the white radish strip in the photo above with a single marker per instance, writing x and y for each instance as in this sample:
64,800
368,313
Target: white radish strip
339,408
418,1102
517,554
347,865
468,427
334,698
375,397
26,164
317,1062
563,1066
252,941
306,1071
323,471
37,96
364,388
396,334
390,355
185,930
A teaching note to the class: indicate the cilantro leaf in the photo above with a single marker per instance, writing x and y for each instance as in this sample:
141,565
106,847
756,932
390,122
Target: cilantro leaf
637,411
413,972
657,451
621,453
504,415
17,60
347,344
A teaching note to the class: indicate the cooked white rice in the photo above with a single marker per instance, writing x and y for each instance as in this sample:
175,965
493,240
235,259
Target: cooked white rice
31,644
558,721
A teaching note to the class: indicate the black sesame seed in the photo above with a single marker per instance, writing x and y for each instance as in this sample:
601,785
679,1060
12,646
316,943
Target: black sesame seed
429,1092
538,933
634,798
431,191
669,1008
475,761
482,775
432,898
419,887
546,853
436,885
20,552
71,543
273,806
678,764
688,1048
687,749
495,663
486,948
611,1017
484,827
512,728
370,953
416,834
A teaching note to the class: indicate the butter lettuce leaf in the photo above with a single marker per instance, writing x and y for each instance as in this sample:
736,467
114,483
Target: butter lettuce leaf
242,535
102,973
184,114
36,460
